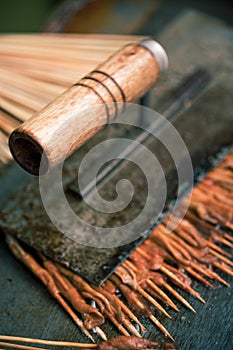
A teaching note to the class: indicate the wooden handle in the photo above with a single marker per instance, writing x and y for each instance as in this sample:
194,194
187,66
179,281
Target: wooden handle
64,125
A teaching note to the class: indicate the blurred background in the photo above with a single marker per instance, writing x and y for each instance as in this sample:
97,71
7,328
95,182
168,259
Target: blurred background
101,16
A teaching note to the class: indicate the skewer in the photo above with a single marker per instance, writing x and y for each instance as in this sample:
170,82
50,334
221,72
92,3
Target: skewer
225,241
228,237
86,290
130,343
46,342
160,326
119,326
224,268
131,315
92,317
101,333
46,279
164,296
126,322
211,199
214,247
153,301
110,288
165,269
153,285
198,276
17,346
178,296
209,273
220,257
173,277
168,287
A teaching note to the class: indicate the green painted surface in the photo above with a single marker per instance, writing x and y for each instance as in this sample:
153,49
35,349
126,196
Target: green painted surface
25,15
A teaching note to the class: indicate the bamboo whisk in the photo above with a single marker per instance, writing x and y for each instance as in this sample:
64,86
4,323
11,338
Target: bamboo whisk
71,119
36,68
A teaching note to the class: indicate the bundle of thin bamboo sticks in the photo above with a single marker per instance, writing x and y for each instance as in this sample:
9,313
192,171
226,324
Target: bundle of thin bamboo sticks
36,68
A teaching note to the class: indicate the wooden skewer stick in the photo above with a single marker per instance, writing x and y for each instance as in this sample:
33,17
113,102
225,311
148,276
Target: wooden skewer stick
118,325
101,333
18,346
225,269
46,279
163,295
225,241
160,326
178,296
228,237
214,247
47,342
150,283
198,276
185,287
65,124
209,273
126,322
153,301
223,258
131,315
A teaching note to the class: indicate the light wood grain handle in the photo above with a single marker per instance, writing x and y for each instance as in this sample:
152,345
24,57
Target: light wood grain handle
72,118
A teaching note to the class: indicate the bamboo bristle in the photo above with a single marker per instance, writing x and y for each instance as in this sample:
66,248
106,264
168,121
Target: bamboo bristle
7,123
5,155
19,111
